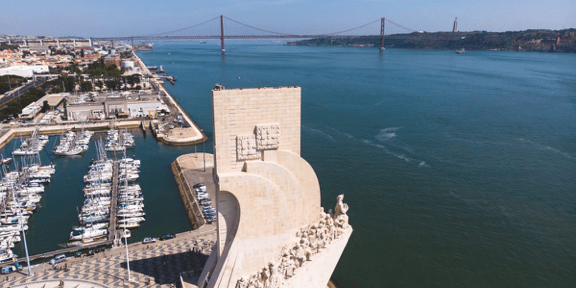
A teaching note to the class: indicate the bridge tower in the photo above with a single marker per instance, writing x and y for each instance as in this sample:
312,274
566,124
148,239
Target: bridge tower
382,23
222,33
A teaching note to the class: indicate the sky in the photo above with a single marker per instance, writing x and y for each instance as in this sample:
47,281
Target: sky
93,18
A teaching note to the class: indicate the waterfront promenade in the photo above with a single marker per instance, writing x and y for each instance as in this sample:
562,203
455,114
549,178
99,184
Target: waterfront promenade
158,264
176,136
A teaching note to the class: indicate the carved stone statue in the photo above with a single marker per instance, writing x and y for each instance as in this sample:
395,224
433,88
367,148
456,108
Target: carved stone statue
275,278
264,276
254,282
340,217
242,283
305,246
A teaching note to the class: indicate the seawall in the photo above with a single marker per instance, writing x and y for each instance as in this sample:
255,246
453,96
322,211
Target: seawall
177,136
188,170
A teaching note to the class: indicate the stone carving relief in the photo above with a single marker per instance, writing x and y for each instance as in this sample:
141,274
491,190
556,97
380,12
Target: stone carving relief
268,136
312,239
246,147
340,217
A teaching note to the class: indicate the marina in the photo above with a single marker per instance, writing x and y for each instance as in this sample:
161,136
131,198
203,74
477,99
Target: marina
111,206
59,207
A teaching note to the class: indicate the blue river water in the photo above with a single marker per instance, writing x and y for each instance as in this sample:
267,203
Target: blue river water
459,170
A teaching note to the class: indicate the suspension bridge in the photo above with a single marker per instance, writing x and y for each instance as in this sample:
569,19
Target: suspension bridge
192,32
216,27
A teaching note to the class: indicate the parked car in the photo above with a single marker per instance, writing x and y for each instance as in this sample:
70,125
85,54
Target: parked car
209,213
167,236
148,240
57,259
90,252
200,189
198,185
206,202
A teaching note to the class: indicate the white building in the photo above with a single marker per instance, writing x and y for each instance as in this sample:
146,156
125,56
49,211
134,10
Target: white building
24,71
101,106
145,108
127,65
30,111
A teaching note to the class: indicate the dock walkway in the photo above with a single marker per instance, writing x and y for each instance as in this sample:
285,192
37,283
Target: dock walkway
113,200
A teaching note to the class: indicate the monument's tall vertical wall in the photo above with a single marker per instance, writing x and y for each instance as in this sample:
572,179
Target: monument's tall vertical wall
266,193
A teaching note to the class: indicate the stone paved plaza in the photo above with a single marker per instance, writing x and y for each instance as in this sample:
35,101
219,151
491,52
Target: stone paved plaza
151,265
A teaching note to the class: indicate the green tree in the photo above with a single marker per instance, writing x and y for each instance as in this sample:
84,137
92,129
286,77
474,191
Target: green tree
68,83
86,86
45,107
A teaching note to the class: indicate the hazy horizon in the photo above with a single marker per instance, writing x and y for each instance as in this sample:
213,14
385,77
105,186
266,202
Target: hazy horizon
123,18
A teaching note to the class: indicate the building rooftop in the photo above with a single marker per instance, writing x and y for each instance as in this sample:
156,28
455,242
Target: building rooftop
218,87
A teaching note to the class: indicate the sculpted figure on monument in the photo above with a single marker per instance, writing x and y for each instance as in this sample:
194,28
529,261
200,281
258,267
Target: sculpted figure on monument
299,255
264,276
275,280
305,246
340,217
254,282
242,283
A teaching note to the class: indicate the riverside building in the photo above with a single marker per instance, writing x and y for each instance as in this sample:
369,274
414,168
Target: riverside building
92,106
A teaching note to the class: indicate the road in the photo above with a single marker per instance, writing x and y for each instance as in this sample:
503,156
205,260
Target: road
10,95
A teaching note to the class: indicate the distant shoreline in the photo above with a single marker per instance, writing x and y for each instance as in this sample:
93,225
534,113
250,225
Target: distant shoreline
561,41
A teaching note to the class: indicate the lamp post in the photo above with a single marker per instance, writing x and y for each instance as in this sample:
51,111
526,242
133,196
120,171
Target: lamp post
127,259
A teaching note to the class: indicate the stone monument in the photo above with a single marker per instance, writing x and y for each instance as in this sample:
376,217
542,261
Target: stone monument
272,231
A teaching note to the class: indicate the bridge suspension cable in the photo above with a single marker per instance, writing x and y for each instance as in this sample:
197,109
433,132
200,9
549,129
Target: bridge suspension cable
287,34
394,23
262,30
361,26
181,29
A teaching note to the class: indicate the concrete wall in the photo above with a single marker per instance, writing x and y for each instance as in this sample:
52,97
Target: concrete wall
186,192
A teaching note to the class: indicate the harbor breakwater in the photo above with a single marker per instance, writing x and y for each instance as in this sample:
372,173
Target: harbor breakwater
179,169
